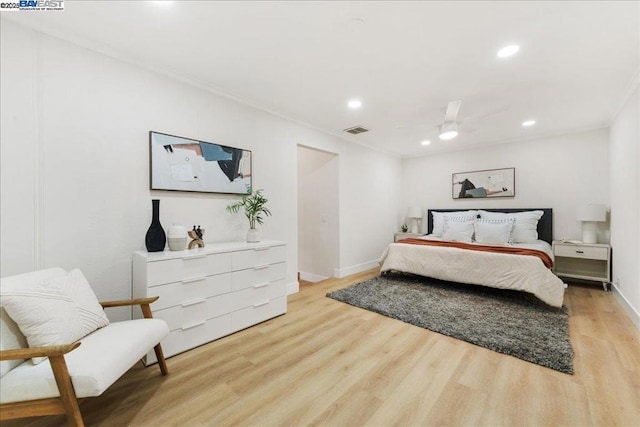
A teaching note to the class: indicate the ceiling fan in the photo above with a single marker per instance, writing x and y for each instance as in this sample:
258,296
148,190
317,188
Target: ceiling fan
449,128
452,125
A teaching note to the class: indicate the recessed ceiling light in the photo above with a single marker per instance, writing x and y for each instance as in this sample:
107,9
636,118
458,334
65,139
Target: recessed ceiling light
425,142
506,51
354,104
528,123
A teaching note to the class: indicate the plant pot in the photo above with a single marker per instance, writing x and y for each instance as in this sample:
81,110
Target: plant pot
253,235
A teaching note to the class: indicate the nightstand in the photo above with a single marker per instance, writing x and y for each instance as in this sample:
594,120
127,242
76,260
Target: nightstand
400,236
587,261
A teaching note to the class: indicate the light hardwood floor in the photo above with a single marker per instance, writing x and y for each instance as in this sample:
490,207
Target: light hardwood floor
329,364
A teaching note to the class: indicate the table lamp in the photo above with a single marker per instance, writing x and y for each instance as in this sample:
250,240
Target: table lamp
415,214
590,215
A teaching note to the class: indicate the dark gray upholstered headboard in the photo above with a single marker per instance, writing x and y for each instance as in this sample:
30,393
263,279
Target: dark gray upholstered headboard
545,225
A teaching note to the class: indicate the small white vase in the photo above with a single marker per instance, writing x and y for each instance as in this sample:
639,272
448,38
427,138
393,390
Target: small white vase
253,235
177,238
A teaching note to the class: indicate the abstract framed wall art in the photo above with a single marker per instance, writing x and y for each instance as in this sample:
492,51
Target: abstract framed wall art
183,164
489,184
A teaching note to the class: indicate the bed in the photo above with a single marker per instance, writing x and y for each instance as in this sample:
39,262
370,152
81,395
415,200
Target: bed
494,266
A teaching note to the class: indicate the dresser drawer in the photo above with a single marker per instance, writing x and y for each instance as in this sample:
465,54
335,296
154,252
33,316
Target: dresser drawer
258,312
193,335
207,293
195,311
172,270
576,251
258,294
257,257
186,291
259,275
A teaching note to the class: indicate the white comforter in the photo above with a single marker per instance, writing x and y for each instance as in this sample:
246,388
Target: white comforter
496,270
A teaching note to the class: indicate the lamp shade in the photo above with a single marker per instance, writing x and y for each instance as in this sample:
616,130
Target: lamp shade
592,212
414,212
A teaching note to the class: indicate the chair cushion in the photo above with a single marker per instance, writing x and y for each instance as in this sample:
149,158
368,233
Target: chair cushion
10,336
59,310
102,358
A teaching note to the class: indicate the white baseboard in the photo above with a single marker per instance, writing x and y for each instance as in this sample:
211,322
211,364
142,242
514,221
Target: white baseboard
310,277
348,271
293,288
633,314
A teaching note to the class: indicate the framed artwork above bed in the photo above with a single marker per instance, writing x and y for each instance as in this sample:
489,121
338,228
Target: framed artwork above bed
485,184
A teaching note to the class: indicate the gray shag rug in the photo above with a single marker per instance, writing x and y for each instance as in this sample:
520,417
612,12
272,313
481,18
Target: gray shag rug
509,322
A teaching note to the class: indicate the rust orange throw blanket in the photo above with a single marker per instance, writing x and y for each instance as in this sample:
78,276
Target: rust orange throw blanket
485,248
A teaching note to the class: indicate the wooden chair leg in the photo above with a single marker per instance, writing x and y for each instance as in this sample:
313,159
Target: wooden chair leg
161,362
146,312
67,394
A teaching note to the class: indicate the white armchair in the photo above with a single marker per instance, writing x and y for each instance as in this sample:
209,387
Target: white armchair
85,368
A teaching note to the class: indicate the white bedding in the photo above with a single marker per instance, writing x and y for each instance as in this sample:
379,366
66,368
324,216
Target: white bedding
496,270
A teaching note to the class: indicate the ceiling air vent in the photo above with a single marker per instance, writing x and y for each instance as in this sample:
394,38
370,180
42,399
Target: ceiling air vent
356,130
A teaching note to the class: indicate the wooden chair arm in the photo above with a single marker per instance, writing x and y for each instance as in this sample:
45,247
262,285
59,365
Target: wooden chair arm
66,404
28,353
123,303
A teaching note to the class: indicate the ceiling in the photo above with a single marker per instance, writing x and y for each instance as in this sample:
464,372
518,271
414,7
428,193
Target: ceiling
404,60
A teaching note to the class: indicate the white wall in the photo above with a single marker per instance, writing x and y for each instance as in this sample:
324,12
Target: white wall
20,178
75,172
625,203
369,200
558,172
318,214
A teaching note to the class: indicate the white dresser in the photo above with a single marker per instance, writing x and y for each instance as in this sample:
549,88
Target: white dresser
207,293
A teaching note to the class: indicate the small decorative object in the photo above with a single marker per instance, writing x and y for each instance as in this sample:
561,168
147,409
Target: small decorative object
196,234
487,184
155,238
177,238
404,228
254,208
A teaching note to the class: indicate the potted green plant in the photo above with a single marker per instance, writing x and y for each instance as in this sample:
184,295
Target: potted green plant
254,209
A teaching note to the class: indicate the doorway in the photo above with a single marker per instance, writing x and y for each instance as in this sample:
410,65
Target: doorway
318,209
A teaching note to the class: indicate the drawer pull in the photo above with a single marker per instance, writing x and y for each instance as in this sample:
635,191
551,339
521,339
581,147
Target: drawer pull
579,252
193,325
260,304
187,258
190,303
194,279
261,249
261,267
261,285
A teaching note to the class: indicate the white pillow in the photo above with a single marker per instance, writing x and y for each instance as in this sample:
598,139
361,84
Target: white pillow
58,311
456,230
439,218
525,227
493,231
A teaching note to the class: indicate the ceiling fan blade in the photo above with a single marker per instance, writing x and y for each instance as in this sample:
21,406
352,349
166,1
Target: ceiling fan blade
417,125
496,111
452,111
467,129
